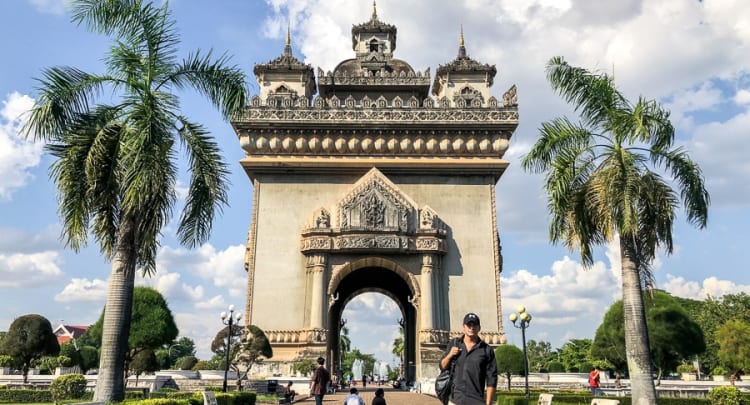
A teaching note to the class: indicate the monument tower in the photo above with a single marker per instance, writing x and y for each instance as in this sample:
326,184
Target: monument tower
374,184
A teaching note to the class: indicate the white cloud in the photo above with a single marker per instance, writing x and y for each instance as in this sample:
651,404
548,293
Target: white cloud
224,268
29,270
711,286
49,6
84,290
742,97
17,154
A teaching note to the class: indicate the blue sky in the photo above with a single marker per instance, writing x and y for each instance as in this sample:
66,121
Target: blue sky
689,55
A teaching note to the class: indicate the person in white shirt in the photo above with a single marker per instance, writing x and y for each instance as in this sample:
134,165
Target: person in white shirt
353,398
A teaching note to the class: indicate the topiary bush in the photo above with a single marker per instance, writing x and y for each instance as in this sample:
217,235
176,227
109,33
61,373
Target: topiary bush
725,395
68,386
188,362
555,367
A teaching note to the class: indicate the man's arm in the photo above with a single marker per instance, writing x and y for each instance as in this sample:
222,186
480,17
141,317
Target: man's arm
491,377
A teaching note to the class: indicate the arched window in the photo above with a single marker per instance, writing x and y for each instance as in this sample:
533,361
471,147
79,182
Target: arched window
374,45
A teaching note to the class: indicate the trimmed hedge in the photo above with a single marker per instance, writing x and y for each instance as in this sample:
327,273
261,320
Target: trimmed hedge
516,398
15,396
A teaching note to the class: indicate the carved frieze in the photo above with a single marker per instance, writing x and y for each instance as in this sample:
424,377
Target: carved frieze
375,205
296,336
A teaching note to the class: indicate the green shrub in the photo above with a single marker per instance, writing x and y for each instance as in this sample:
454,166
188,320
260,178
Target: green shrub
725,395
64,361
555,367
719,370
685,368
21,396
205,365
161,401
188,362
68,386
6,361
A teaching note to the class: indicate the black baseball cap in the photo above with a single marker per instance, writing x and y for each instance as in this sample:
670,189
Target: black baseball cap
471,318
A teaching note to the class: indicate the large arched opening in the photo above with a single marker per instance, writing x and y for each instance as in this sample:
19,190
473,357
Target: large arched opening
386,278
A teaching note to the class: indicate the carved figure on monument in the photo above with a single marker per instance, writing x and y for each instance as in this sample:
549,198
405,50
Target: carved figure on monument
510,98
323,220
428,219
374,212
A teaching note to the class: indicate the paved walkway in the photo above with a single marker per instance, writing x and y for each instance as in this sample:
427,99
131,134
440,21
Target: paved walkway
392,397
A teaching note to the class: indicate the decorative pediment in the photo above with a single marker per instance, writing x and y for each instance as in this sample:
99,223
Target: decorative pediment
376,204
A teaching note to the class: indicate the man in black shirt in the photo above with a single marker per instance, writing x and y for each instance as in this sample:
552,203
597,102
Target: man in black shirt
475,366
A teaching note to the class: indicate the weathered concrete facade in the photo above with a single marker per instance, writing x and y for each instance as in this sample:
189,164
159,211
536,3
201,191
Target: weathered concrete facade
373,185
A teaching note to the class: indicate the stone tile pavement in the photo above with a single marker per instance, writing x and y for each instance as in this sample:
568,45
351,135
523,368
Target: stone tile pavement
392,397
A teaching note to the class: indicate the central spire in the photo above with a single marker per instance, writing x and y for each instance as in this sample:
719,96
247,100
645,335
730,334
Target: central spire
461,47
288,44
374,11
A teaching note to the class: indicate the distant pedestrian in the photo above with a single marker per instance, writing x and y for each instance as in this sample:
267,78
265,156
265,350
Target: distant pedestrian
594,378
353,398
320,379
379,397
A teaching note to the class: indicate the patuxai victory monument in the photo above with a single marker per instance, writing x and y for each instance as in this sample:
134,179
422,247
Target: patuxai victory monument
374,177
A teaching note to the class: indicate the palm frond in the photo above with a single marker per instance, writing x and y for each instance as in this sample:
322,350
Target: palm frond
208,180
64,93
222,84
691,183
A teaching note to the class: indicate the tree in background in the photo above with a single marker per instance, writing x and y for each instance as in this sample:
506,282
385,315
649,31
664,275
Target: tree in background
673,335
219,345
398,347
713,313
152,324
89,358
604,179
573,353
254,346
169,355
143,361
345,342
540,354
29,338
368,362
509,361
116,161
734,346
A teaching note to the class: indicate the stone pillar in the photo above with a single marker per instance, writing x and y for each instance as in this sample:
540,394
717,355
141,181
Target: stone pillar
426,284
316,264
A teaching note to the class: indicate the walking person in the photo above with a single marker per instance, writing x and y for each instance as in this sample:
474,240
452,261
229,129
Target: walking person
475,366
353,398
594,378
379,397
320,379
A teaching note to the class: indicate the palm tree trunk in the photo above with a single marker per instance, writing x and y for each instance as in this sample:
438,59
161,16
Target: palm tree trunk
637,346
110,385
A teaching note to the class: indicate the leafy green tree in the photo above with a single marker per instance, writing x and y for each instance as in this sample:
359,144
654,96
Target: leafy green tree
89,358
70,351
219,345
116,156
304,367
540,353
398,347
368,361
29,338
604,179
712,315
673,335
509,361
168,355
152,323
254,345
734,346
345,342
143,361
573,353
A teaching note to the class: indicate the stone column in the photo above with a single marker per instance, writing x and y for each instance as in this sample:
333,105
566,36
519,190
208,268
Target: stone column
427,310
316,264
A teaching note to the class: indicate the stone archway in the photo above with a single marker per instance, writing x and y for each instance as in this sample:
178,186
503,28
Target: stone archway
380,275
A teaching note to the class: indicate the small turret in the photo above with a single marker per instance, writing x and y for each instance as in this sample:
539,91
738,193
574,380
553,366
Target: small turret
464,81
286,77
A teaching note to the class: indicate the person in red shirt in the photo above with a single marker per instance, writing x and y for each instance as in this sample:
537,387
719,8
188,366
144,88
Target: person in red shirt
594,381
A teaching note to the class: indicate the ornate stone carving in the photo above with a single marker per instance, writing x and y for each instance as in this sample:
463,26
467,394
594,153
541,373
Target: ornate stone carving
510,98
433,336
375,204
296,336
323,219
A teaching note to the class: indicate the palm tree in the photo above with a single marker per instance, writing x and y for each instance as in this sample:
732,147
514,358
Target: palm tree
345,342
398,347
115,166
603,179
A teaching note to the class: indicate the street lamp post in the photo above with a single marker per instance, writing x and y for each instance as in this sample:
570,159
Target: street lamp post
525,320
229,320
